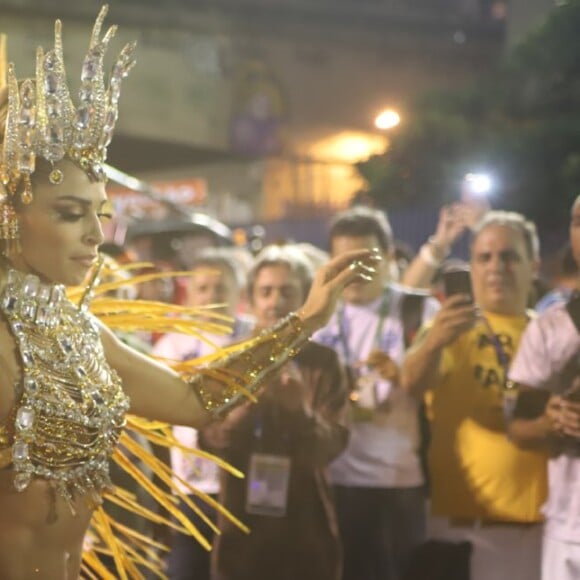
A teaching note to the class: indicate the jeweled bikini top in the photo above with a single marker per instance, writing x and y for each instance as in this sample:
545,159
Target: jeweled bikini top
70,407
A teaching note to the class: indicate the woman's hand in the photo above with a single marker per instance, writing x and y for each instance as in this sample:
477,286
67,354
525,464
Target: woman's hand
331,279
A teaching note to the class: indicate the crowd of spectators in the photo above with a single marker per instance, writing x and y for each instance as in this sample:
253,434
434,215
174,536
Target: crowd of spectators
423,433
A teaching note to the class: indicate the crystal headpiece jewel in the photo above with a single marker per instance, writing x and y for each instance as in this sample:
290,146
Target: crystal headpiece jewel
43,122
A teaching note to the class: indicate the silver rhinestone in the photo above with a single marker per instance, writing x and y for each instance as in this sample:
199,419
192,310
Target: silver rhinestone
65,345
28,310
30,385
89,69
44,293
21,481
51,83
20,451
10,302
24,418
30,286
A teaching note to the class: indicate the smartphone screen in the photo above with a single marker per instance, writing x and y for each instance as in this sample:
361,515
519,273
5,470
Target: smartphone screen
457,282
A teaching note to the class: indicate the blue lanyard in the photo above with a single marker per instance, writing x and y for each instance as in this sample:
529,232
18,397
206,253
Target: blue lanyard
503,358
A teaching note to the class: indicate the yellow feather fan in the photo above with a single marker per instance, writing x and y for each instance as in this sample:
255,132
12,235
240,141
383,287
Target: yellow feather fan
131,551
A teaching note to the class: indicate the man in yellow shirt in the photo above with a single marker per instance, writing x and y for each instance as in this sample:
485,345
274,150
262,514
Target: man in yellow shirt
484,489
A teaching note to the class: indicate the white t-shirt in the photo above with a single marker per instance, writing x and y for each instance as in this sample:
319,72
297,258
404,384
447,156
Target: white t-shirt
383,450
199,472
549,342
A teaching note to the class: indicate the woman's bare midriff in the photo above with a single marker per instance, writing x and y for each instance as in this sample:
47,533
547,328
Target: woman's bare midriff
39,535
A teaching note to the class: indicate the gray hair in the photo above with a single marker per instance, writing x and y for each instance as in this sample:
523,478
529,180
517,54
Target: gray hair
223,259
515,221
291,257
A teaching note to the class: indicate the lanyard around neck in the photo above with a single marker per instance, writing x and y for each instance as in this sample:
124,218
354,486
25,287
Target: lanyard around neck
503,358
344,331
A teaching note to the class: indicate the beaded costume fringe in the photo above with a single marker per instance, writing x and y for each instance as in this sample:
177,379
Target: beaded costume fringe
132,552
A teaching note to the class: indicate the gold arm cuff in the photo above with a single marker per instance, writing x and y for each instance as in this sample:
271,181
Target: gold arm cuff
242,374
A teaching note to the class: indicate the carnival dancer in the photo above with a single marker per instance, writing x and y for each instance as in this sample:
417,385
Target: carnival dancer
67,381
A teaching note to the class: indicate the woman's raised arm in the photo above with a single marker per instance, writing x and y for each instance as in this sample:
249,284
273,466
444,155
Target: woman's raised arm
159,393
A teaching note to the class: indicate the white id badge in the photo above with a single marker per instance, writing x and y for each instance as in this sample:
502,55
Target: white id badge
267,488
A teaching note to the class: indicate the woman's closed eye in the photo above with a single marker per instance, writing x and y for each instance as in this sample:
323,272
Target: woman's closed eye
75,216
70,216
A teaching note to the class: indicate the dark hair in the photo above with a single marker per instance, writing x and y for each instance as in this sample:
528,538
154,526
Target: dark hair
360,222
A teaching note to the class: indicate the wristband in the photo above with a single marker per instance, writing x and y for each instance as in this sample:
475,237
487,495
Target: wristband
427,255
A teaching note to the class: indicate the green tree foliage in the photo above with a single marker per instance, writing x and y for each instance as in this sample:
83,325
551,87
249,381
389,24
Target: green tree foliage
521,123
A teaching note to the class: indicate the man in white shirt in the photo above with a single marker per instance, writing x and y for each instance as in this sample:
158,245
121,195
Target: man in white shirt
547,415
378,480
214,279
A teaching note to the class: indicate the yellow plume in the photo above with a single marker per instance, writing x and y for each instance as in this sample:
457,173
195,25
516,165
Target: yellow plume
3,62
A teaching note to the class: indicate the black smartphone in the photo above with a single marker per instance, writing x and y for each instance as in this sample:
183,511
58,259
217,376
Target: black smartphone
457,281
573,308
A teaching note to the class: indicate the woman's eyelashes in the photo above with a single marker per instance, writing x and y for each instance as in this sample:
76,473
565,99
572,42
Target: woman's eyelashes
75,216
69,216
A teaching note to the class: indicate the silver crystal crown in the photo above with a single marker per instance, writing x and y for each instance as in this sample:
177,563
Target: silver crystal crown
42,120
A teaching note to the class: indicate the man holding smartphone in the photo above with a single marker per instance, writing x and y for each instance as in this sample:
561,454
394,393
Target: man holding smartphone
484,489
547,415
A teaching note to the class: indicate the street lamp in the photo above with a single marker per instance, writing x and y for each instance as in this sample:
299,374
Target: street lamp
387,119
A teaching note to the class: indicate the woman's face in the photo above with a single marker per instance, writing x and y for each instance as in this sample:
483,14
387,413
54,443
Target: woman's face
60,231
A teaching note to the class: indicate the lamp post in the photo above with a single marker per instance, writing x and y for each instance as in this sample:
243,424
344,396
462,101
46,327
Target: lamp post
387,119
